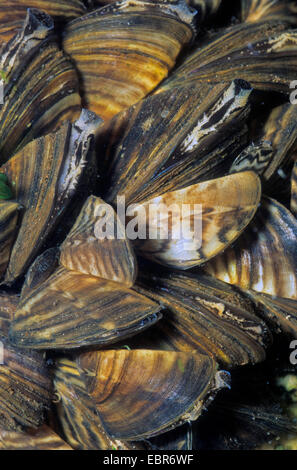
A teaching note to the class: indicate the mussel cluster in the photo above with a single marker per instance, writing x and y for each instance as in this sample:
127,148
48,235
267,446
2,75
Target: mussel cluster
120,343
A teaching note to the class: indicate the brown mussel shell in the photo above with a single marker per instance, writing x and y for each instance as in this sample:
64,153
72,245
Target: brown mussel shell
40,85
264,257
173,139
13,13
9,211
77,412
25,385
269,10
201,313
222,208
45,175
242,51
43,438
142,393
109,258
124,50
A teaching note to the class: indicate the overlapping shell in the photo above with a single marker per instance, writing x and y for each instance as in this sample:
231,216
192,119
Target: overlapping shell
124,50
40,85
45,175
196,305
81,307
43,438
188,134
13,12
242,52
143,402
25,385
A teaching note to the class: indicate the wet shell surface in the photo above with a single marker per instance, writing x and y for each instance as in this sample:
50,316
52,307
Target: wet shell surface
124,50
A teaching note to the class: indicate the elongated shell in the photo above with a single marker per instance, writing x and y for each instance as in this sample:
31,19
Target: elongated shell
242,51
8,227
187,227
42,438
77,413
124,50
207,315
13,13
173,139
40,85
279,312
70,310
97,245
281,131
269,10
264,258
157,391
45,175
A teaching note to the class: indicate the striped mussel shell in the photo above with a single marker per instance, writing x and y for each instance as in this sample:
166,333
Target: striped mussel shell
206,8
9,212
158,391
124,50
43,438
280,131
110,256
263,260
40,85
90,305
294,190
13,13
77,414
242,51
45,175
256,157
187,227
25,385
173,139
203,314
269,10
8,305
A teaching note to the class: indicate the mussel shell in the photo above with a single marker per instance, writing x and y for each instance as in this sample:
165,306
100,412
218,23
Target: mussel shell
8,305
264,258
269,10
242,51
255,157
40,85
43,438
25,388
70,310
142,393
124,50
9,211
204,314
13,13
227,205
45,175
111,258
278,312
173,139
206,8
281,131
77,413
